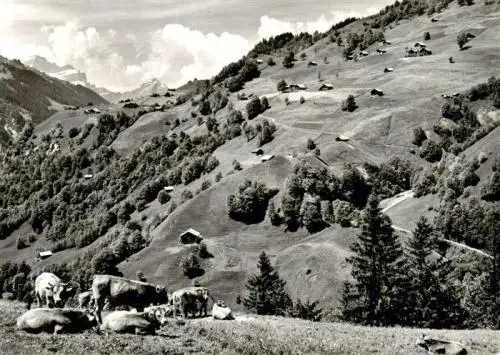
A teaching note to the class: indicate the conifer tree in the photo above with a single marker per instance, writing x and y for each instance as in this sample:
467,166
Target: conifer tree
378,270
266,291
430,303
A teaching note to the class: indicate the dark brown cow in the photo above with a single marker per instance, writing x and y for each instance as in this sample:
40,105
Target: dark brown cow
190,300
124,292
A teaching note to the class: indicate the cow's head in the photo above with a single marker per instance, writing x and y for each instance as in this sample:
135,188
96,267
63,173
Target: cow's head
161,294
61,291
92,319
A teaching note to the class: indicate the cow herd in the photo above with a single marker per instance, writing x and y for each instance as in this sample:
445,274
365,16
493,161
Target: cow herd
149,306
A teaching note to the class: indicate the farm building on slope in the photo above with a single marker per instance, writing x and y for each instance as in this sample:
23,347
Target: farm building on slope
41,255
190,236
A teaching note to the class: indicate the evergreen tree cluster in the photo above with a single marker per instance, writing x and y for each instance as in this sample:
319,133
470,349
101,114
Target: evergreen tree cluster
415,286
266,295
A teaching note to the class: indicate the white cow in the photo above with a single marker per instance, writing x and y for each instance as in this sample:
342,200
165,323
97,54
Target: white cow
51,291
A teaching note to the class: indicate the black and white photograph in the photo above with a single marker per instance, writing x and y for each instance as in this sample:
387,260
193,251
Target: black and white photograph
250,177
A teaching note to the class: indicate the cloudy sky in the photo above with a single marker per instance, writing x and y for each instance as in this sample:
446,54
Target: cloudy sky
122,43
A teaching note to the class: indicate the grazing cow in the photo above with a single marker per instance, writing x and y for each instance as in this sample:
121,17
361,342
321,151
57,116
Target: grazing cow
436,346
124,292
55,320
133,322
85,299
51,291
190,300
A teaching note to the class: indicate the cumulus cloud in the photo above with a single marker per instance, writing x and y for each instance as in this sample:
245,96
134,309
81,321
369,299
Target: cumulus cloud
179,54
174,54
271,26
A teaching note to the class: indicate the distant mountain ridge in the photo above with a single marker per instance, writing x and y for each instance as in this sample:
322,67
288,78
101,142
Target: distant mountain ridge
31,95
77,77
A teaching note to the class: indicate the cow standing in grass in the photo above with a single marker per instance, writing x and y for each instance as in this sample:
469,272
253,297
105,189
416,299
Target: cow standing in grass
51,292
190,300
86,300
124,292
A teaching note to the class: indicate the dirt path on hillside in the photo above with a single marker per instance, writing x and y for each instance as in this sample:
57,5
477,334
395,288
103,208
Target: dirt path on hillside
409,194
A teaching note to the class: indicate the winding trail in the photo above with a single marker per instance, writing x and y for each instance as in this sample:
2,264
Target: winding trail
409,194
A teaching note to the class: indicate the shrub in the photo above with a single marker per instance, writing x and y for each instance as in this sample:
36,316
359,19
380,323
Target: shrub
254,107
234,84
205,108
427,36
302,100
307,311
191,266
462,39
205,185
270,61
266,134
281,85
303,55
287,100
288,60
349,104
31,238
203,251
264,102
236,165
186,195
73,132
431,151
218,177
163,197
419,136
310,144
21,243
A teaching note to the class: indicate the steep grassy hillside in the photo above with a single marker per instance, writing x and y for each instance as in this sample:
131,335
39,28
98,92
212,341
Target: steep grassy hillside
381,127
29,95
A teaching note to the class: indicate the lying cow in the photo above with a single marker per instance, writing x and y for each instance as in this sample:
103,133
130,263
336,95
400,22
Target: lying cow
85,300
124,292
133,322
436,346
55,320
221,311
51,292
190,300
163,310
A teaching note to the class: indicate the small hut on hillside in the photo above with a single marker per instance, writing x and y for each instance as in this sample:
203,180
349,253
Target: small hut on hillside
381,51
377,92
190,236
388,70
258,151
312,64
41,255
266,158
168,188
325,87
